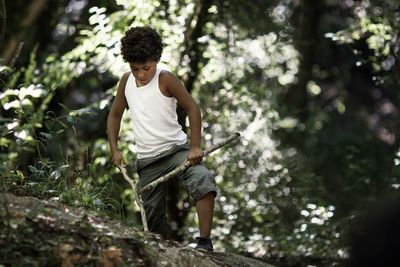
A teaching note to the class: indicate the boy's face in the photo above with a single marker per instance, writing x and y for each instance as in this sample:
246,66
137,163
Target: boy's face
143,72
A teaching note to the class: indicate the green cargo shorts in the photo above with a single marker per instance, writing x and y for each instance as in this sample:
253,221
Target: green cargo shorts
196,179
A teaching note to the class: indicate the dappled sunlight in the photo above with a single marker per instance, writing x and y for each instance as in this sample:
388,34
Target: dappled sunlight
256,124
23,94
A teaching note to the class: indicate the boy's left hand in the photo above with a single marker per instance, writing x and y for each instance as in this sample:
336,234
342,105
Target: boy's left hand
195,155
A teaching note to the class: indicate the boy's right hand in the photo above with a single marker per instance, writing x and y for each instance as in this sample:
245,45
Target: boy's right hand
118,159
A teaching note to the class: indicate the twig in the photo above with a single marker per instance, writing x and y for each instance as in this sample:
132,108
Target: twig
16,55
187,164
138,198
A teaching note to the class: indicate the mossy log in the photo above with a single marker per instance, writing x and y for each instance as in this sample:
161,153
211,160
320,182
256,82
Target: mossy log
36,232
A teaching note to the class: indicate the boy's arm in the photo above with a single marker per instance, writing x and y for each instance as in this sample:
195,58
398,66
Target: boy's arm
175,88
114,120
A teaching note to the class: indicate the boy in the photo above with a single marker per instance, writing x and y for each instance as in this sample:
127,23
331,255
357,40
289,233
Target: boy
151,95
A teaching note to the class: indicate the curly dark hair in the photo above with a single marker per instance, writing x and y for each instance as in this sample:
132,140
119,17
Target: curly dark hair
141,44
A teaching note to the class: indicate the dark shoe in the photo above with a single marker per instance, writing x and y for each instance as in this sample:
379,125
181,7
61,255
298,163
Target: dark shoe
204,244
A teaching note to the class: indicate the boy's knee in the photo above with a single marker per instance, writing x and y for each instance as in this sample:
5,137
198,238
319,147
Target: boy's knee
209,196
199,182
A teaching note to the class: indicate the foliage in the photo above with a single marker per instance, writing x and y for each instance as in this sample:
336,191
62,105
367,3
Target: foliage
31,129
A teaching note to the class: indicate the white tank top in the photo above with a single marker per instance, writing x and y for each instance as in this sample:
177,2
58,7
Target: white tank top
154,119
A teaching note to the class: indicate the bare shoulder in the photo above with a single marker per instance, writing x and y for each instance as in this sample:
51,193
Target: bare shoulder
167,83
122,84
172,86
166,76
168,79
122,81
125,76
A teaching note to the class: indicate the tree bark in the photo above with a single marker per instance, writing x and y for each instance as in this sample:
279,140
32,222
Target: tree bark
307,17
3,20
34,11
193,50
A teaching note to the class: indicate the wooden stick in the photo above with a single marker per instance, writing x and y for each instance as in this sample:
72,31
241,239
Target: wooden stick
138,198
187,164
16,54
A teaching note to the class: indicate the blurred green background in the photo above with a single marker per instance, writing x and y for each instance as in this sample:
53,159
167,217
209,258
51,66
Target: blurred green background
313,86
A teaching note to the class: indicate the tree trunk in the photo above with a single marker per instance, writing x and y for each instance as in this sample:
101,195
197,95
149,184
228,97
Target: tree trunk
307,17
34,11
3,20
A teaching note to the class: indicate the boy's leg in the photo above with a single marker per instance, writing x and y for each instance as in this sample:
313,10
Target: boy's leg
154,200
201,186
155,208
198,181
205,212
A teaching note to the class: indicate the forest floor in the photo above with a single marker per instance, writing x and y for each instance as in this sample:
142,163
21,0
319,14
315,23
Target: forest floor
35,232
